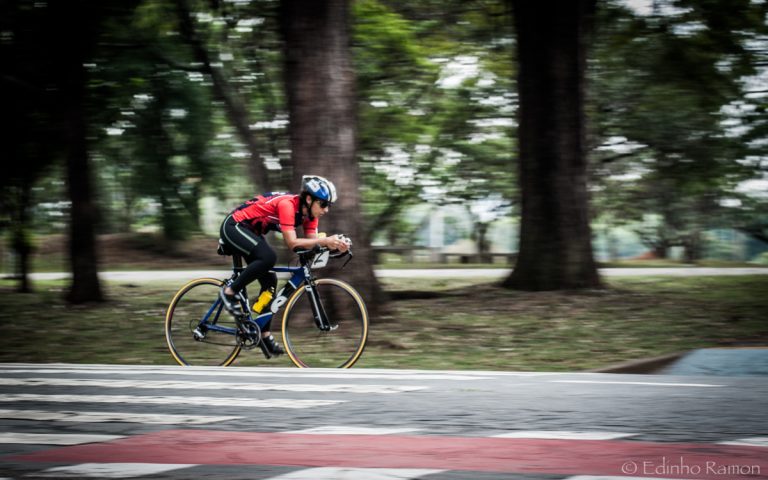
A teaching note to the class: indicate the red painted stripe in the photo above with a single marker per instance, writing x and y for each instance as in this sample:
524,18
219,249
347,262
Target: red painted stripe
567,457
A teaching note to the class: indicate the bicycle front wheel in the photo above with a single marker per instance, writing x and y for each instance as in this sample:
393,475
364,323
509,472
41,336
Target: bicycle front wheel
198,330
307,345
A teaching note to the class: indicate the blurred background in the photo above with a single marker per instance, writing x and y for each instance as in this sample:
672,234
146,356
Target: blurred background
158,117
553,137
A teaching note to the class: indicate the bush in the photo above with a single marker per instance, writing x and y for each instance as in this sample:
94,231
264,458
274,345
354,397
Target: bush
761,259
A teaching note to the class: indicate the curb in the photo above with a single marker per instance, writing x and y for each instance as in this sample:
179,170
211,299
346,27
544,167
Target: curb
645,365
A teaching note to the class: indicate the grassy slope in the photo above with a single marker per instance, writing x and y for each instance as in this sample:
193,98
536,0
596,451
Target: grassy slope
467,326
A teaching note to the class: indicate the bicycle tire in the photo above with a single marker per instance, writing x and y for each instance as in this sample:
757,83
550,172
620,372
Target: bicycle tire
309,347
190,304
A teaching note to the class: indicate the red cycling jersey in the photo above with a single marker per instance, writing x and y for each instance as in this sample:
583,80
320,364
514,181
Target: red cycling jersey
274,211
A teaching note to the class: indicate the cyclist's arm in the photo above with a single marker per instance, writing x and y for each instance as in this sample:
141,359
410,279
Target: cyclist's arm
287,215
293,241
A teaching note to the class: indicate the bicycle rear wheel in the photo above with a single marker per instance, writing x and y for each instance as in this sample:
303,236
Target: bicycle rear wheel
308,346
192,342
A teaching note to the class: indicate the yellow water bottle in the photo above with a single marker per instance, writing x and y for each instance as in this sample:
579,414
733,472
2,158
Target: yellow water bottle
263,301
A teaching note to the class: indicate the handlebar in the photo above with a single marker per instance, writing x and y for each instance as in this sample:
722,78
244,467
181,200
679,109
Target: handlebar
305,254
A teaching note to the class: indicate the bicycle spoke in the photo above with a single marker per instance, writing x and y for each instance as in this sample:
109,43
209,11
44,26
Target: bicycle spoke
191,342
307,345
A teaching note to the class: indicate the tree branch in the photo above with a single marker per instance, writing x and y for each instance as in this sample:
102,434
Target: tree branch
234,106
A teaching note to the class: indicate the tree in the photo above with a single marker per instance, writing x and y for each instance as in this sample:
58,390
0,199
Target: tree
74,48
555,237
673,124
47,93
26,117
320,88
235,107
436,107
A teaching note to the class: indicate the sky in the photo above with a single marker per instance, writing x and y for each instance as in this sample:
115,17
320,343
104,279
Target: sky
641,7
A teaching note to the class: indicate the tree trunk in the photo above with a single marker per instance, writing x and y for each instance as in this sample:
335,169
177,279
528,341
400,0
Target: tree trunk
320,86
21,241
692,247
483,245
82,239
555,237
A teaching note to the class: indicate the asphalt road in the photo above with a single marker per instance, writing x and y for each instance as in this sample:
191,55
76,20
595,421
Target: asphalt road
136,276
92,421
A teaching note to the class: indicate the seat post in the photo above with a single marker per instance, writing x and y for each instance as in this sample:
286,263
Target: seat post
237,263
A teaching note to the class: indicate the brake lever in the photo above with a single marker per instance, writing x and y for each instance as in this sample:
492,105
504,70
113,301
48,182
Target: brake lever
349,253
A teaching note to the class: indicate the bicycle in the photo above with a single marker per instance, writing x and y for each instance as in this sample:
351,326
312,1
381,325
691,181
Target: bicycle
324,324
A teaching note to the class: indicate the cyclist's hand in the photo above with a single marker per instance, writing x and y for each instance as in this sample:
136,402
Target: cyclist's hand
347,242
336,242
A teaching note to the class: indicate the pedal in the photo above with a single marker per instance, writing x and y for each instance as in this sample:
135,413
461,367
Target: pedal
198,334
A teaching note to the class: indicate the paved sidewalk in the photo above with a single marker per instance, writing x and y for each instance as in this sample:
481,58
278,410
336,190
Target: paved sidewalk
136,276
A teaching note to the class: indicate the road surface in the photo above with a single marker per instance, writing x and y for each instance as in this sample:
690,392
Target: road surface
98,421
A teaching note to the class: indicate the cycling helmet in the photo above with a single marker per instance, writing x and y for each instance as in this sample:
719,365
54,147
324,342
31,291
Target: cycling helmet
319,188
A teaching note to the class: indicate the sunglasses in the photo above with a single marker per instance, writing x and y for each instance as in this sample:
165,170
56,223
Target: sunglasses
324,203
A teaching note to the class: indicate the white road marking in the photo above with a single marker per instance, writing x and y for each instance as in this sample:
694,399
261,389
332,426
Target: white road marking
353,430
168,400
103,417
54,438
337,473
565,435
274,370
653,384
749,442
282,372
254,373
101,383
111,470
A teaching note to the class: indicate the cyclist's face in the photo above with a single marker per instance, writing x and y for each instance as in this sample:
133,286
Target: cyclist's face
318,210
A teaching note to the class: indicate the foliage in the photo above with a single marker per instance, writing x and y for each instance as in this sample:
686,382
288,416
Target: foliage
677,110
159,141
673,133
436,105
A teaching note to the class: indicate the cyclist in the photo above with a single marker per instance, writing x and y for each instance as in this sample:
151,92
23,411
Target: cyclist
244,228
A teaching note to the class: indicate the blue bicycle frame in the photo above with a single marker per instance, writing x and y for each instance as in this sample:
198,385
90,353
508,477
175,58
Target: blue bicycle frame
209,322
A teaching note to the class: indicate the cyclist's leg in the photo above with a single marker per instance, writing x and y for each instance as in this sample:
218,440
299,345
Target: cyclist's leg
261,258
231,238
268,282
254,249
270,346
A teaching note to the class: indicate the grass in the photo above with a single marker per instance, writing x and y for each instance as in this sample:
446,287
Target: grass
455,325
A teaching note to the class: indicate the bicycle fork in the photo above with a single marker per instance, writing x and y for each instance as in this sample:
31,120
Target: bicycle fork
318,310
